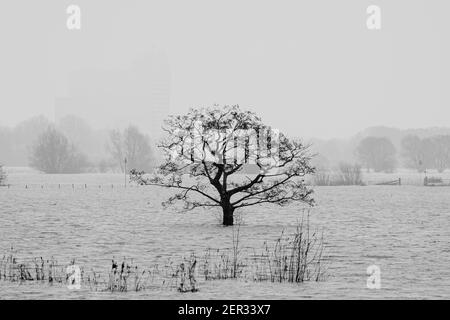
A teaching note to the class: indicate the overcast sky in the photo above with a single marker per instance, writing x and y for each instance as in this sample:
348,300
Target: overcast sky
311,68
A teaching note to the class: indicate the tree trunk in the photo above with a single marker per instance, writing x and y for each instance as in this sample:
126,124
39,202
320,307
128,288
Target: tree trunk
228,212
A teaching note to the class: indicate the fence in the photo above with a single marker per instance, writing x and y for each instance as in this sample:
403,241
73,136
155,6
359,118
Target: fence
372,181
396,182
436,182
75,186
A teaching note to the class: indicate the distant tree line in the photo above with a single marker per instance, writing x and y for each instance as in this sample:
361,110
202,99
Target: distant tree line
427,153
72,146
53,153
377,153
132,145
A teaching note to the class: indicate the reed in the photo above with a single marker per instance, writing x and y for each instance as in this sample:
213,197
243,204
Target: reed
186,274
293,257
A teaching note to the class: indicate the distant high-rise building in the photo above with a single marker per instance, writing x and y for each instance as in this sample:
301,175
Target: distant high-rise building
112,98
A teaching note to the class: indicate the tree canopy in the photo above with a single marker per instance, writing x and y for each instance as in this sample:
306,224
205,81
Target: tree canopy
53,153
377,153
427,153
207,149
132,145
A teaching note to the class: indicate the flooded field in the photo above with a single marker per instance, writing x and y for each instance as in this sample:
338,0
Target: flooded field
405,230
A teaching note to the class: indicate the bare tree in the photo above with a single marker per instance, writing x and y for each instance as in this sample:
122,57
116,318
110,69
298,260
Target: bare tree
2,175
428,153
438,155
116,149
377,153
132,145
206,149
53,153
413,152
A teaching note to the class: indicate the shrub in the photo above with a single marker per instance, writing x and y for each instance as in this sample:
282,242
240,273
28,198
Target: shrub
377,153
345,175
53,153
349,174
295,258
322,178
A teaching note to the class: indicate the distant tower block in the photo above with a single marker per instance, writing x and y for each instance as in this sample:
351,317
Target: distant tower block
115,98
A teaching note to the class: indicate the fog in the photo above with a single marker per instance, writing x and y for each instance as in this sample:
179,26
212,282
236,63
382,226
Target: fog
86,84
311,69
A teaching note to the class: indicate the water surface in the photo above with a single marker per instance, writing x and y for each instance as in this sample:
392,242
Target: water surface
404,230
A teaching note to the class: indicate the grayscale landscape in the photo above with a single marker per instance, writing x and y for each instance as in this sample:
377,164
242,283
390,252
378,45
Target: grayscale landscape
224,150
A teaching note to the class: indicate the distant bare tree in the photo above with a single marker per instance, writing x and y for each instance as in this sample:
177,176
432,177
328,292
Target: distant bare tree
6,145
414,153
26,131
429,153
377,153
2,175
53,153
116,148
207,148
19,139
438,155
132,145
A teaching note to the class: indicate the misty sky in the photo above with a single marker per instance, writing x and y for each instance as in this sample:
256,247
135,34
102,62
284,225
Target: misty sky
310,68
